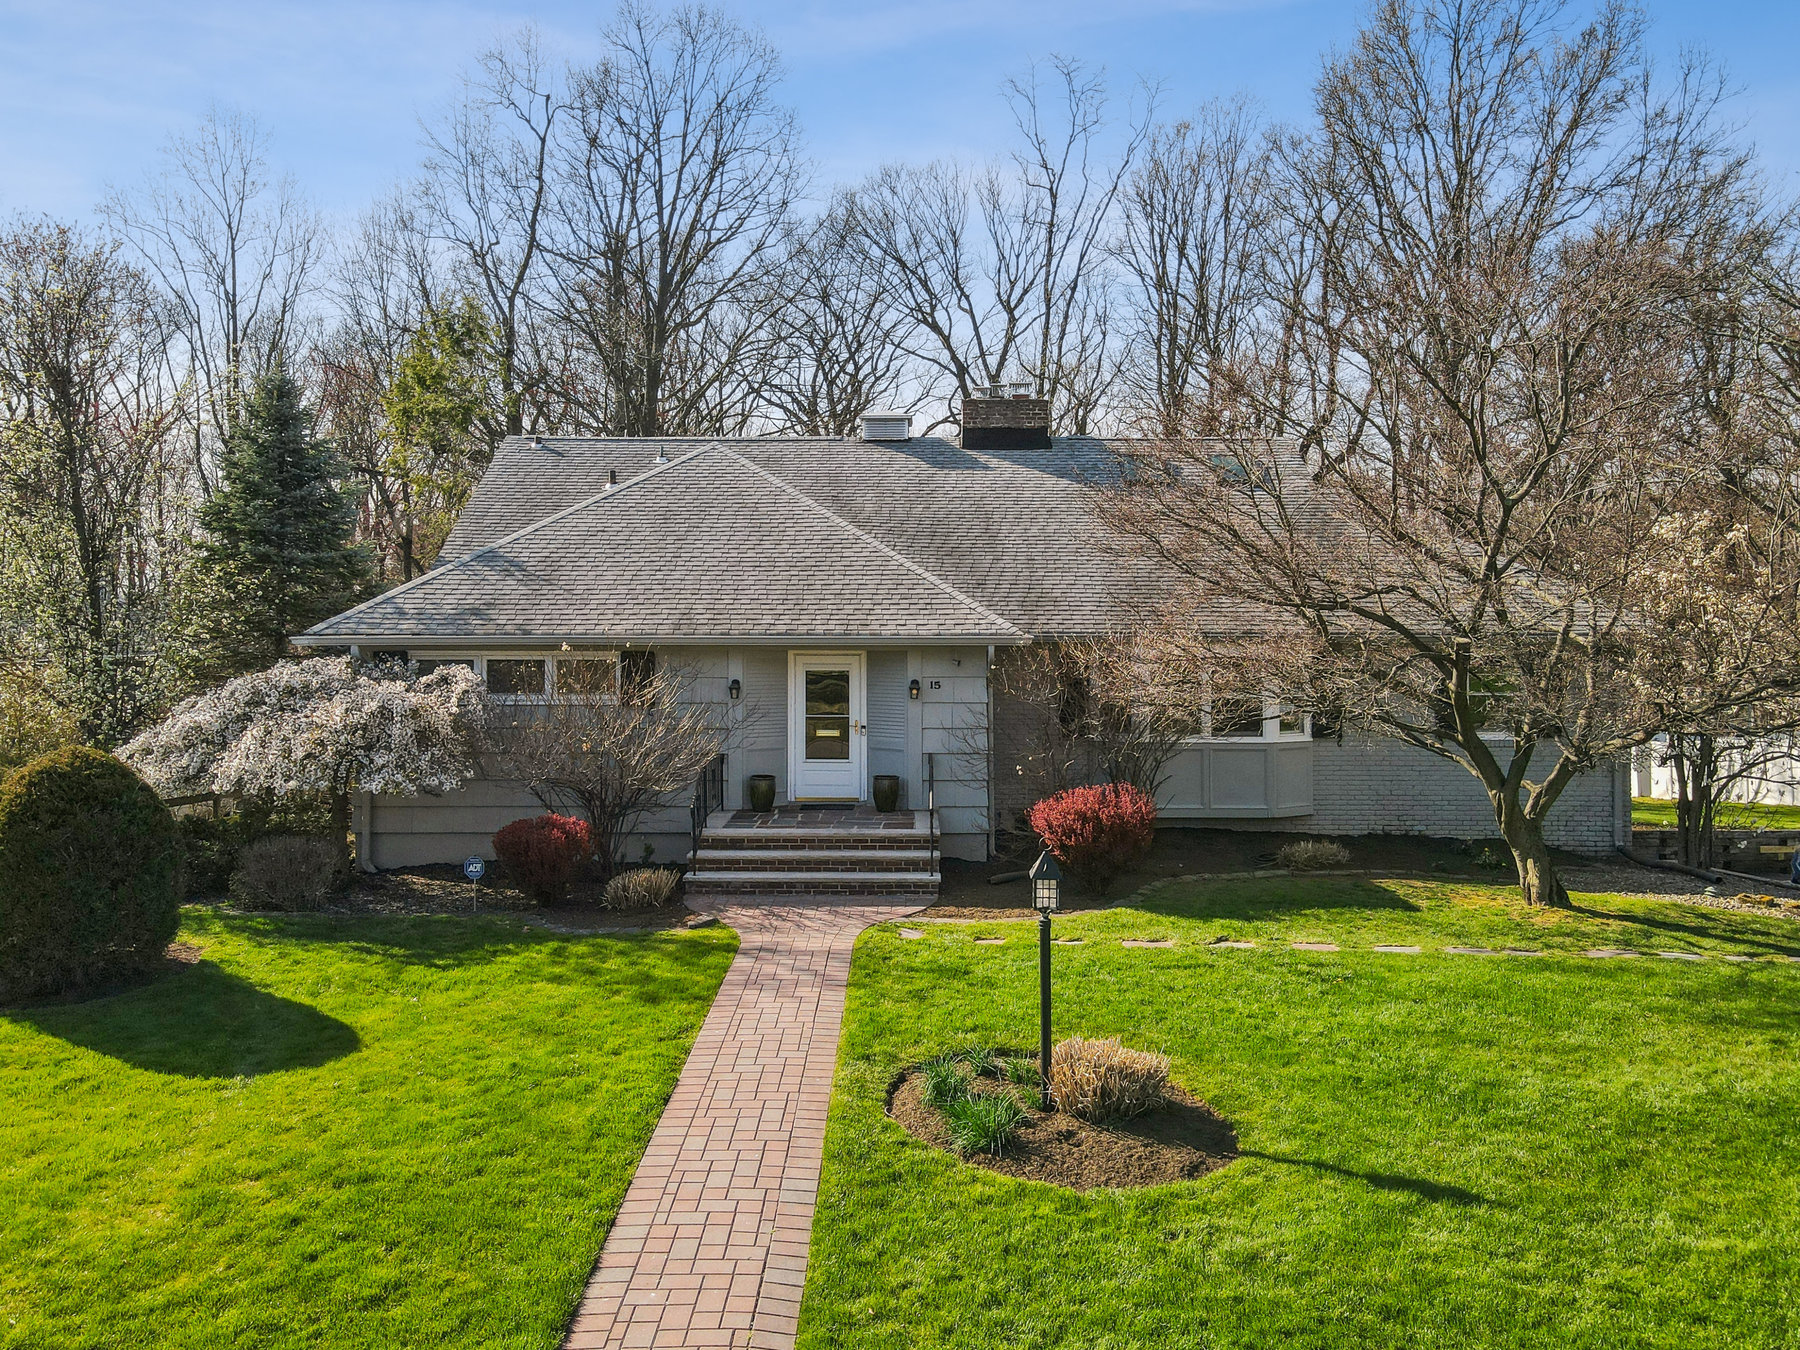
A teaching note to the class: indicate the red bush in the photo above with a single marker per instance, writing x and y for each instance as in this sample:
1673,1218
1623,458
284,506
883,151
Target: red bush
542,852
1096,832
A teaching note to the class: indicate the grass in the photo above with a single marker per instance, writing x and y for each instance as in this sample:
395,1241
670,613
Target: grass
1438,1150
985,1123
337,1133
1659,813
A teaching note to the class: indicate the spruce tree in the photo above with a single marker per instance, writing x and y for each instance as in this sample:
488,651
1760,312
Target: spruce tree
278,532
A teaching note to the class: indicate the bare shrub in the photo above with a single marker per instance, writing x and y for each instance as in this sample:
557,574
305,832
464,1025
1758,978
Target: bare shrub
1309,855
286,871
642,888
1103,1080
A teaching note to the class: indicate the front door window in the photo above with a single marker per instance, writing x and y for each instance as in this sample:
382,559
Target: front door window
827,714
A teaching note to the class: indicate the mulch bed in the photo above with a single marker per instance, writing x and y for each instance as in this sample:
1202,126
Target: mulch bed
1179,1141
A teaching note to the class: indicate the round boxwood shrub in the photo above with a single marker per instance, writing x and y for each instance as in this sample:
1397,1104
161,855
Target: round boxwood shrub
89,861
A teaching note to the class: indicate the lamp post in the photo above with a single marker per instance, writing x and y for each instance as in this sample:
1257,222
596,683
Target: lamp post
1046,884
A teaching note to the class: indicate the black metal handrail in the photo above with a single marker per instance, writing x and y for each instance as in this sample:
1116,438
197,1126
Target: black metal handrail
931,818
709,796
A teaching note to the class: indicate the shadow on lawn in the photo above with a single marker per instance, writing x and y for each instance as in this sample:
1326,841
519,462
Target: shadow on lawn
1434,1191
199,1022
1250,899
1698,927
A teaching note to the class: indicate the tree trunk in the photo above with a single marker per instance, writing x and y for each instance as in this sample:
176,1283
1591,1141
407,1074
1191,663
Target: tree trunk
1696,763
1524,835
340,832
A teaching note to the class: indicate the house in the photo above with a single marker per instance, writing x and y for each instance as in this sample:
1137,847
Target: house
848,604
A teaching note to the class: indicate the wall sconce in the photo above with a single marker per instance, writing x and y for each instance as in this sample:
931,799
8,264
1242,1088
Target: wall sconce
736,689
912,691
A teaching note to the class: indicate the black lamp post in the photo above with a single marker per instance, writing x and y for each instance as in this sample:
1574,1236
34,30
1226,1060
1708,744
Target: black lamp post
1046,885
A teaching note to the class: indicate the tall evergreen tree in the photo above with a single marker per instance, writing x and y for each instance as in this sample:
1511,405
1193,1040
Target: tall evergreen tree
278,545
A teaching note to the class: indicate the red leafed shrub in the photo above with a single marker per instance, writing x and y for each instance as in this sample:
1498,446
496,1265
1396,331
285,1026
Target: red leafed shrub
1096,832
542,852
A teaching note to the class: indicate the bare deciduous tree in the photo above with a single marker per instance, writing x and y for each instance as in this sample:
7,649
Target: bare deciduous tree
679,175
611,751
92,533
236,251
1507,223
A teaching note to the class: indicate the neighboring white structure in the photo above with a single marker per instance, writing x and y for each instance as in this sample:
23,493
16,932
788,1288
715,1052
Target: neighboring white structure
1774,779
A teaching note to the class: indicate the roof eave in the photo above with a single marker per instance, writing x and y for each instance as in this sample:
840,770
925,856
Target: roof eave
534,640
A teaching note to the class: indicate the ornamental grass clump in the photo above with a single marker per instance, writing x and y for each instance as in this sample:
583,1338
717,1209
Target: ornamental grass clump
1310,855
543,852
1096,832
642,888
945,1083
985,1122
1100,1079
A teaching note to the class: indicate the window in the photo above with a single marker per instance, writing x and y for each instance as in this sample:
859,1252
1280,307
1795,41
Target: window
636,669
388,654
1239,718
426,666
512,677
1293,722
587,676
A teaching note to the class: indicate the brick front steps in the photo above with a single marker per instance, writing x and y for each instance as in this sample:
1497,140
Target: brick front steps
857,856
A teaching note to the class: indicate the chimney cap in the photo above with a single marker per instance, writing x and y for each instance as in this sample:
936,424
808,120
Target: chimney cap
1004,389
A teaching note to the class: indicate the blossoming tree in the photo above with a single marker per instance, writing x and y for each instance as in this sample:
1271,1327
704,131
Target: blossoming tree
326,726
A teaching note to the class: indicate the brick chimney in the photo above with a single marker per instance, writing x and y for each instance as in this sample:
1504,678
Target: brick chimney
1005,417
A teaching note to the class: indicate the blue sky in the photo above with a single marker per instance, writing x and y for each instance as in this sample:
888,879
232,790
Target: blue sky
92,89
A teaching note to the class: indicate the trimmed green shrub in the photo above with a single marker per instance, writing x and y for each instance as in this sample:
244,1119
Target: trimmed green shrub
984,1123
212,845
89,860
286,872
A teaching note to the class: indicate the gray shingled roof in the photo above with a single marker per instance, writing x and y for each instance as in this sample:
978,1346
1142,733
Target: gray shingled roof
1013,530
710,545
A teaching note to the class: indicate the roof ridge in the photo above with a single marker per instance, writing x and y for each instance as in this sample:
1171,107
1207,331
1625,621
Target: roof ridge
610,490
924,573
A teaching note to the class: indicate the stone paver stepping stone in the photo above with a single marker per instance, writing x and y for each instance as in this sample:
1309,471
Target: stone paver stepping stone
1390,947
1736,956
1681,956
1471,951
910,933
1146,942
1610,951
1523,951
1223,943
989,942
1069,942
1315,946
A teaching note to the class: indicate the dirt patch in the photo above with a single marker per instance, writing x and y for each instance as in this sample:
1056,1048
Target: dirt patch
1180,1141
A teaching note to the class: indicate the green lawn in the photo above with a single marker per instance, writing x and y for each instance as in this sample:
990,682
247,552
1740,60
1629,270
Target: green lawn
1438,1150
1659,813
336,1133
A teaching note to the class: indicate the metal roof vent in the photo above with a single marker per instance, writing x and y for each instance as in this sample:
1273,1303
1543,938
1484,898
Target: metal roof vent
887,426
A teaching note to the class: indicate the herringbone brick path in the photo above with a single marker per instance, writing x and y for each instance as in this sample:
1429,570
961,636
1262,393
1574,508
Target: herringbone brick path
709,1248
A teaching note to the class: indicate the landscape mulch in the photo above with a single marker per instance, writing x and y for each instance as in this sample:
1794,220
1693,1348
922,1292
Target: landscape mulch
1179,1141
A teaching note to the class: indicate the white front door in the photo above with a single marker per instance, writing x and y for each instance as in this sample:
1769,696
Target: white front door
827,729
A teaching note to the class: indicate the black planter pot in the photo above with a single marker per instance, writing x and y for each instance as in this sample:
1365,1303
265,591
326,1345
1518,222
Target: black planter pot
886,791
759,791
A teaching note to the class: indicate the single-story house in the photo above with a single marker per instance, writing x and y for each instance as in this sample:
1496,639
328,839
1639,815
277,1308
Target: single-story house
847,603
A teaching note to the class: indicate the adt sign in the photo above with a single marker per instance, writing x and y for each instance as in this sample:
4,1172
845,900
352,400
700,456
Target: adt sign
474,867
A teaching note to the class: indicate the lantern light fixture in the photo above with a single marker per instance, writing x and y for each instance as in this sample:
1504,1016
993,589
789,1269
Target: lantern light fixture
912,691
1046,883
736,689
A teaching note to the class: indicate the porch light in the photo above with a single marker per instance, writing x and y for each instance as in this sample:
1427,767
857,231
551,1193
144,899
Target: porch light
1046,883
735,689
912,691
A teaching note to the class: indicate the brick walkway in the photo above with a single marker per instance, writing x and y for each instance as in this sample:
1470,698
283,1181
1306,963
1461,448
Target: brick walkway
709,1248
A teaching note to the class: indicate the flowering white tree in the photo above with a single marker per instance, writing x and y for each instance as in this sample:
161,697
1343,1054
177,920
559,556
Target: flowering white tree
324,726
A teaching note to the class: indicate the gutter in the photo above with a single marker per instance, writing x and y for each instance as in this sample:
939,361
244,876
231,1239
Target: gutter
510,641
